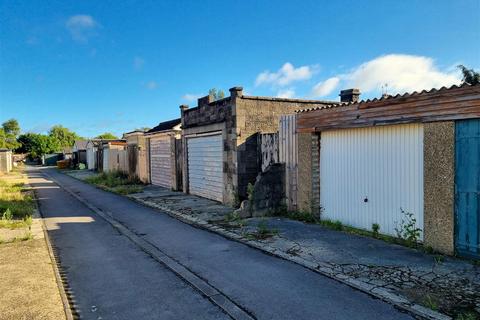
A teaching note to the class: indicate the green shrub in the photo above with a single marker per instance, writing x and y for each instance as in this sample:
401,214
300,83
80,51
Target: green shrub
407,229
302,216
117,181
375,230
7,215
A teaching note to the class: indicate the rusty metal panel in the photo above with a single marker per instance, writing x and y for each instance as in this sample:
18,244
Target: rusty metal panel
440,105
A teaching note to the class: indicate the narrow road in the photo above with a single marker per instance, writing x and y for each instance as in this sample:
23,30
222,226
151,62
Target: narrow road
112,278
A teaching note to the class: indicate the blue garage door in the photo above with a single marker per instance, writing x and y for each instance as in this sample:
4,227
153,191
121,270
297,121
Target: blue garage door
467,187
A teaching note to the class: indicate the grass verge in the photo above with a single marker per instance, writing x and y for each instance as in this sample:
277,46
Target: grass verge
117,182
15,198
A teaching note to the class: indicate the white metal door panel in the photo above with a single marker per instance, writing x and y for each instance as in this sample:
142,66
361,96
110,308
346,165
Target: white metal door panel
205,166
160,161
91,156
106,166
368,175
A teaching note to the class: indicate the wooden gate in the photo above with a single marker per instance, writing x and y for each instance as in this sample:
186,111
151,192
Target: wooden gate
288,154
179,164
132,155
467,187
100,159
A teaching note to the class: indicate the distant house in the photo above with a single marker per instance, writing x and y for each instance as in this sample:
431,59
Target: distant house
165,154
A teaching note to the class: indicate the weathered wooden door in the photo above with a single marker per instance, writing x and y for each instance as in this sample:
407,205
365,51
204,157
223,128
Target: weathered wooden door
467,187
288,154
132,153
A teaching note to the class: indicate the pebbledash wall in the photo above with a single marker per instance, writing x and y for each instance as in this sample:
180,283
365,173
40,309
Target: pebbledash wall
437,110
239,118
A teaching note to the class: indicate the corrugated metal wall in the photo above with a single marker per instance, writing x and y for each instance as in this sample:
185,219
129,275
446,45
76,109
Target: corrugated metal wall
288,154
367,175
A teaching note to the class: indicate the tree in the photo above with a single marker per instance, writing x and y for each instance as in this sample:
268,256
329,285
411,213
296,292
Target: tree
469,75
215,94
11,129
36,144
62,137
106,135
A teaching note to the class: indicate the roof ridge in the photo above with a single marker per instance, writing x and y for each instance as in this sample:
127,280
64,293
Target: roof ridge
398,95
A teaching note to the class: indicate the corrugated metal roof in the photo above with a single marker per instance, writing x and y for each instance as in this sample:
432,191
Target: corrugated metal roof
388,97
81,144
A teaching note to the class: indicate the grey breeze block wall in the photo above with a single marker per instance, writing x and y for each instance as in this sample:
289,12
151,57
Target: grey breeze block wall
439,185
239,118
257,115
209,117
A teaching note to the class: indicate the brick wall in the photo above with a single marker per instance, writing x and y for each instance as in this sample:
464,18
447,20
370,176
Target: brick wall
315,145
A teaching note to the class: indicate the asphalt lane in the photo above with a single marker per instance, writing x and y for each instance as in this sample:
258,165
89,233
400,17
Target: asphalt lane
109,277
265,286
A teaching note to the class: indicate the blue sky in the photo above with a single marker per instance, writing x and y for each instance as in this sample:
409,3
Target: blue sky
96,66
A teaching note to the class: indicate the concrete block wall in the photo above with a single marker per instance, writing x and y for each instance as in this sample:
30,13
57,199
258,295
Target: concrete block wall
304,187
256,115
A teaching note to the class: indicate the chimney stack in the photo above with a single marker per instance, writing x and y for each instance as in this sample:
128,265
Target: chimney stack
236,92
350,95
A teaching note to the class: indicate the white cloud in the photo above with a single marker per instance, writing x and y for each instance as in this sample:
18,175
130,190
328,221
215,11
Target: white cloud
151,85
190,97
287,93
401,73
81,27
326,87
138,63
285,75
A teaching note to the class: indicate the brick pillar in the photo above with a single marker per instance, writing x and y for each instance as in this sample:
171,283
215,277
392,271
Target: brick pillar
315,144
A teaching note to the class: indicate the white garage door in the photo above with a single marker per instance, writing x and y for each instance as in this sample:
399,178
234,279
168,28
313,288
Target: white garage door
91,158
160,161
205,166
368,175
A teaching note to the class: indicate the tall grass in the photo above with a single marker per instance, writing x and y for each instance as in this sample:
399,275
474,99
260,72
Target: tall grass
15,198
117,181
